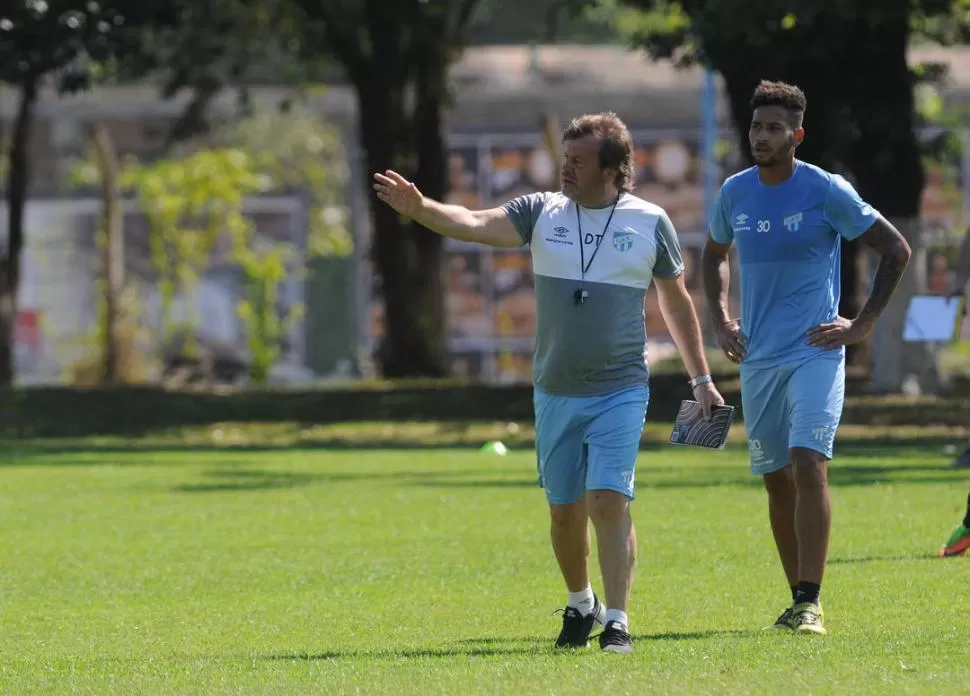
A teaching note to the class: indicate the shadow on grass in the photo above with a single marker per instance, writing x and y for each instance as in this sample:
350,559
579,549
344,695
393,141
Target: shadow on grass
477,647
698,635
240,476
231,480
455,436
881,559
19,453
858,463
529,646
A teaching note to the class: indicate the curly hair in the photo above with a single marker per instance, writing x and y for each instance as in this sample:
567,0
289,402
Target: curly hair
616,144
782,94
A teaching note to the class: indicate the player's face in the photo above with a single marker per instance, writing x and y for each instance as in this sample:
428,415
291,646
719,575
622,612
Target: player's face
772,136
581,177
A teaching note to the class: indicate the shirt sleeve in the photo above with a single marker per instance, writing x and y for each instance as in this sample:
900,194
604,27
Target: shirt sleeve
845,210
670,258
524,212
721,231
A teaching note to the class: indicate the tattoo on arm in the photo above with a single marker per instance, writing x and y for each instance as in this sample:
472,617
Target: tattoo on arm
717,275
894,253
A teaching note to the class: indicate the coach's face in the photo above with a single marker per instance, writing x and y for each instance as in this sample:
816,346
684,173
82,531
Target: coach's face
582,179
773,135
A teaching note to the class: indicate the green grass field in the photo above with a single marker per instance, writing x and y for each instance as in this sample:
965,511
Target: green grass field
243,561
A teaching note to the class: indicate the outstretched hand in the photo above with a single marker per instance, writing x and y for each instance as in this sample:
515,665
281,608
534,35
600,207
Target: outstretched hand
837,333
398,192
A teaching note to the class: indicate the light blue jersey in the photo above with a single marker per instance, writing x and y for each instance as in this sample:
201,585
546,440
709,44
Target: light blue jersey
787,237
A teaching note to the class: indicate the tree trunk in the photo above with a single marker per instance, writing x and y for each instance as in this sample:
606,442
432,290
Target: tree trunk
399,52
407,257
114,250
891,361
850,301
889,172
18,181
194,121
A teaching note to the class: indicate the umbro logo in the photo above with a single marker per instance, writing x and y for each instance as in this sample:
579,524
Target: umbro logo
741,223
560,236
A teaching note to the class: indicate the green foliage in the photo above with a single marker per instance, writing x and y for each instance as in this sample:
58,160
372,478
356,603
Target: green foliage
690,30
135,365
263,273
68,37
663,28
296,150
196,195
944,22
189,203
566,21
225,42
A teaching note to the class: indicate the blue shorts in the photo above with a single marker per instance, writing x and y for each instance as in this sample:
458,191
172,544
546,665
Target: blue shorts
794,405
586,443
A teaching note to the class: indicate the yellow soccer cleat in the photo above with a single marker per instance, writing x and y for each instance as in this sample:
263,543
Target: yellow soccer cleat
807,618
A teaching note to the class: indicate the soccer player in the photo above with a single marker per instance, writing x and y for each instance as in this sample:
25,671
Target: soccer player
960,289
959,540
787,217
595,249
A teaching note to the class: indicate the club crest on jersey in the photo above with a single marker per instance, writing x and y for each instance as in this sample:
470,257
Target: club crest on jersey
622,241
793,222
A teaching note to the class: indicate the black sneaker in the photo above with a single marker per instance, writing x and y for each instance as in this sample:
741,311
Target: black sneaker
615,639
576,627
783,622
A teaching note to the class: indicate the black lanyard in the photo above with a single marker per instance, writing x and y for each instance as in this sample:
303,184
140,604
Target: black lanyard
581,294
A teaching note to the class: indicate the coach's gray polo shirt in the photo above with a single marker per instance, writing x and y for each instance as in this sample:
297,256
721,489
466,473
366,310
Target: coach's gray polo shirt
597,346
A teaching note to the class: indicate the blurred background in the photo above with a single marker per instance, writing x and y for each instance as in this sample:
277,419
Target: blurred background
187,184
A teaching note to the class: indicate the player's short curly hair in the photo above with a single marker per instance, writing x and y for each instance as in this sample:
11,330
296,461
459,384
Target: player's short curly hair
782,94
616,143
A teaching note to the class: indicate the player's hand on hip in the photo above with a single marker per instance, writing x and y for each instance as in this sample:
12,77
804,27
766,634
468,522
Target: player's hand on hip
837,333
732,341
398,192
708,397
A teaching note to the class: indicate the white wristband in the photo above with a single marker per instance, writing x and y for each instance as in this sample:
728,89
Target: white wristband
699,380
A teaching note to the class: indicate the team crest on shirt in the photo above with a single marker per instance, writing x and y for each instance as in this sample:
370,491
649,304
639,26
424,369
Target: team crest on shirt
793,222
623,241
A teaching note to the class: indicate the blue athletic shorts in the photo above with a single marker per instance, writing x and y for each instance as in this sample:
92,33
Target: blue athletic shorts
586,443
794,405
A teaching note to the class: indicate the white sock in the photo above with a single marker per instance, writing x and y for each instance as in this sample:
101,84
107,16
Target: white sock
581,601
619,616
